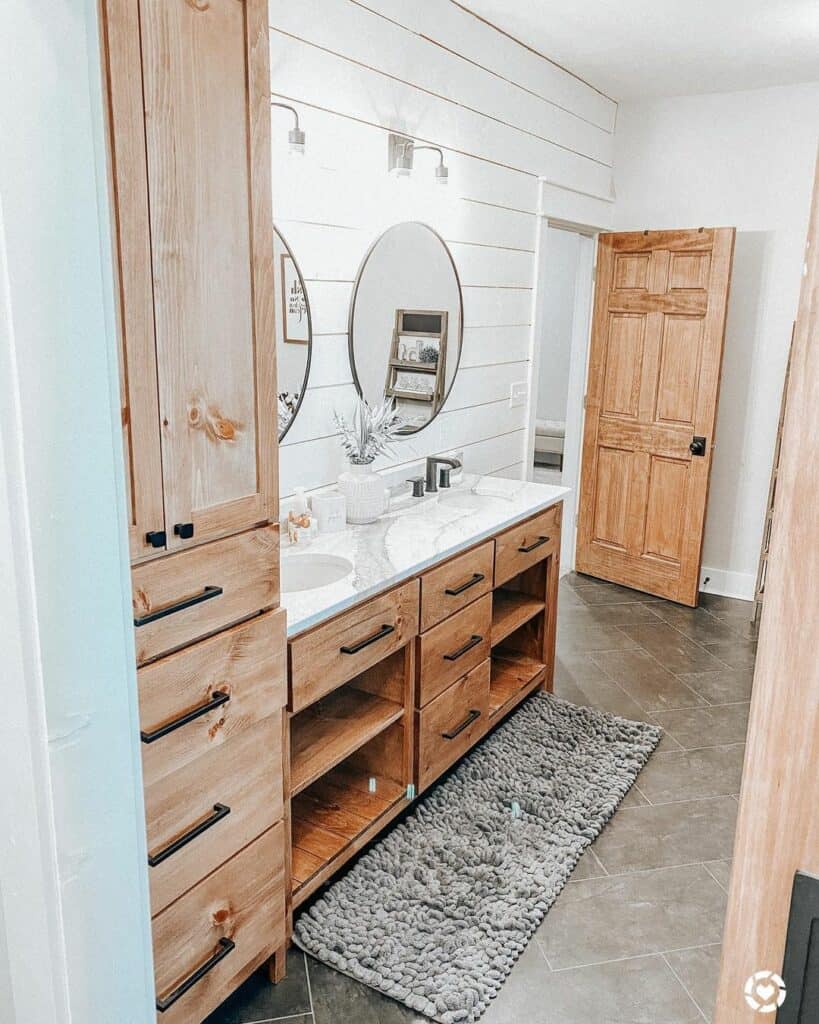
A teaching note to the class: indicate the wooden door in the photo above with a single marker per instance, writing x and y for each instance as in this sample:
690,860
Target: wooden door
656,353
778,826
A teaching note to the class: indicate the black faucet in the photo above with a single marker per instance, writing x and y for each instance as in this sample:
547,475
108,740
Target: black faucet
433,462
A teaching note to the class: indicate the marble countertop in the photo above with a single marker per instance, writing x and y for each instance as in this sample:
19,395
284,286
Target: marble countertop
413,535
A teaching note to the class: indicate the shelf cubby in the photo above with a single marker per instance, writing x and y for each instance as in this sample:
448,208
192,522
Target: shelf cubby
514,675
510,611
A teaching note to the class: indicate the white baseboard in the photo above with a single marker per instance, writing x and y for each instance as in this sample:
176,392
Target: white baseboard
727,583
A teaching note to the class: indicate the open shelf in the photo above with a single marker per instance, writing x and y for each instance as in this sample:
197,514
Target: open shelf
335,814
510,611
327,732
514,675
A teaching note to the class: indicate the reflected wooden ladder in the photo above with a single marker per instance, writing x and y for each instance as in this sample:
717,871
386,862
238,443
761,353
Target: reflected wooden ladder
759,590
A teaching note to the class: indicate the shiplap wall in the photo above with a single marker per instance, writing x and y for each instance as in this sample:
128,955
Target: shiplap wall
504,117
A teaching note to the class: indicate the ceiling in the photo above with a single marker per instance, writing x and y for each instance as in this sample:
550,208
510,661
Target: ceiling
638,49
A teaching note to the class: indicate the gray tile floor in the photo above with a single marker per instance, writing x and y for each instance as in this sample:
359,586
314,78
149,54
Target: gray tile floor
635,935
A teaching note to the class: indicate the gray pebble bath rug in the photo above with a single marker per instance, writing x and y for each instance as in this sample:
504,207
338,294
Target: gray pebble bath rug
436,913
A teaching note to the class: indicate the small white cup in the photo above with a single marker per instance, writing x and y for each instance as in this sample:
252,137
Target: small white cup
330,511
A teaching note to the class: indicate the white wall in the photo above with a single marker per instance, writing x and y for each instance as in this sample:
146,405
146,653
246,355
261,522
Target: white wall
61,434
560,273
503,116
744,159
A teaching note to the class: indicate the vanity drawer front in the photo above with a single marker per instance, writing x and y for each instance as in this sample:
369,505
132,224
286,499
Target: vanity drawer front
337,651
245,664
457,583
212,808
237,915
526,544
453,647
449,725
193,593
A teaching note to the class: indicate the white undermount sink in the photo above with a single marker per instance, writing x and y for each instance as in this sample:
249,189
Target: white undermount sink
312,570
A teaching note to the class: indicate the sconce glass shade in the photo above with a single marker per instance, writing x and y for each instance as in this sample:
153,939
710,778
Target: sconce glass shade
296,138
442,174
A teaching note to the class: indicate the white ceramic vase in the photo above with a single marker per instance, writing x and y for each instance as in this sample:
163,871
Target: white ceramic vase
367,498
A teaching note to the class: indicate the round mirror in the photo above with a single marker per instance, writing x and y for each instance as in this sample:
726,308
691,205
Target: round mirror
294,333
406,323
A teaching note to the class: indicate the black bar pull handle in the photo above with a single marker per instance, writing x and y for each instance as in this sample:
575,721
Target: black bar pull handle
473,641
454,591
473,716
219,811
355,648
535,544
207,595
218,698
225,946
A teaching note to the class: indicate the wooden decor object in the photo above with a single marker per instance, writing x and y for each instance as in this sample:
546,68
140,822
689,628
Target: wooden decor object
778,827
654,369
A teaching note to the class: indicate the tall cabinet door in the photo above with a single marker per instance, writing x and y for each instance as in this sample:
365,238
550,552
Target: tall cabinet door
205,81
132,263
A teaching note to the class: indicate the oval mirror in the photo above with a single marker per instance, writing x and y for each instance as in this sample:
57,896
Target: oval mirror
406,323
294,333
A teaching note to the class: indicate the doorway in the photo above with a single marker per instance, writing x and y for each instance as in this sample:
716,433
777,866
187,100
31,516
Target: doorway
560,348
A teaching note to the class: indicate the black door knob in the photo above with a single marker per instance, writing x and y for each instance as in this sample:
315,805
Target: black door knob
697,446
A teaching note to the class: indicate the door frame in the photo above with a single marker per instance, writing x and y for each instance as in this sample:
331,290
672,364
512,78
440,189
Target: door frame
551,217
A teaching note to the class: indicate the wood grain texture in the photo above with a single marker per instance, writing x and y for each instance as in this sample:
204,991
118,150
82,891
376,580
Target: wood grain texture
211,245
778,827
247,661
244,775
244,566
653,385
128,183
242,901
511,560
317,663
510,610
436,603
439,660
450,709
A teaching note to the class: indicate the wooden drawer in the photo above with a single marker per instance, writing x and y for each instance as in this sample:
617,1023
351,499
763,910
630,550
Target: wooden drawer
236,913
212,808
456,583
453,648
334,653
526,544
193,593
246,664
449,725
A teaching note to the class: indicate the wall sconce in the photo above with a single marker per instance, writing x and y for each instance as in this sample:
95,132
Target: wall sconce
400,153
296,137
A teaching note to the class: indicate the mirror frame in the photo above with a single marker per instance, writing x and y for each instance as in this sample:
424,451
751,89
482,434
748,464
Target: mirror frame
306,378
351,315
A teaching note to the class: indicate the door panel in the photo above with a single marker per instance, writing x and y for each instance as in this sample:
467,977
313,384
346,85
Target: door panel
207,123
656,354
134,289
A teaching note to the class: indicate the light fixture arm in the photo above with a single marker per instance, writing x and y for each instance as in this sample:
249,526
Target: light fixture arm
286,106
441,171
434,149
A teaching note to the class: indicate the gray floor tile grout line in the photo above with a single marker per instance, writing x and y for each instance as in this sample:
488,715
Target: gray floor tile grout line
647,871
273,1020
634,956
310,987
686,989
684,800
711,873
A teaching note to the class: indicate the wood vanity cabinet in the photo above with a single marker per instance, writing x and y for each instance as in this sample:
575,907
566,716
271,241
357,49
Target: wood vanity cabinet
187,86
385,697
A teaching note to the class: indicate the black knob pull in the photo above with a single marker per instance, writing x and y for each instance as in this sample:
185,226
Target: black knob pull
697,446
183,530
156,538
